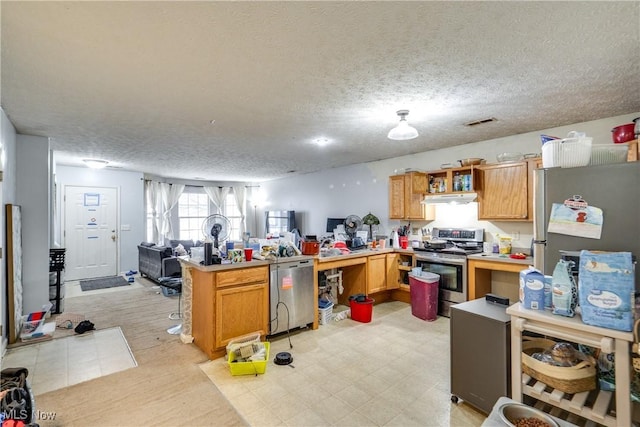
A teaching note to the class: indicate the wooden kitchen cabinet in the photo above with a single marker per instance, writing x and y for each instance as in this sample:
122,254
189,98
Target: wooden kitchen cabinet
505,191
228,303
376,273
406,193
396,272
632,154
443,181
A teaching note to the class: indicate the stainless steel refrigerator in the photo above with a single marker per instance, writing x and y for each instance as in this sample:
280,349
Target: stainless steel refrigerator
614,188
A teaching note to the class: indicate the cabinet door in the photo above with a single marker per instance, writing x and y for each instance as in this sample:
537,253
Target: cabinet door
396,197
503,191
240,311
413,208
376,273
393,271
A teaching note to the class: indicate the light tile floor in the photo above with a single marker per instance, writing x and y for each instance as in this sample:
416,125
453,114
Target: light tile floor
62,362
393,371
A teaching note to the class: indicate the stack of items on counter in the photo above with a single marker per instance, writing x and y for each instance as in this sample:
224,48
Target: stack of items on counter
604,296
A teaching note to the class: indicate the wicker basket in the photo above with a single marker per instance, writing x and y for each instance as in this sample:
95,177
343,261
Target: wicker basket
573,379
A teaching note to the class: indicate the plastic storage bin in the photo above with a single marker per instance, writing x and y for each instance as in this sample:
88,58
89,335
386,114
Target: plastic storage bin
603,154
325,314
362,311
567,152
248,368
424,295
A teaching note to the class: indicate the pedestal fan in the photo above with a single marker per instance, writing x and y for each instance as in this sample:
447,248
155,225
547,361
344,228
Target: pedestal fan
352,224
216,227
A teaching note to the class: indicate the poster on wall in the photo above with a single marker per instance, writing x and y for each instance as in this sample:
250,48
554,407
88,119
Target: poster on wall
14,269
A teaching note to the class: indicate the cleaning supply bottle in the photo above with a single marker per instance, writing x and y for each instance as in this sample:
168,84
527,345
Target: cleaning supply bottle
395,240
564,292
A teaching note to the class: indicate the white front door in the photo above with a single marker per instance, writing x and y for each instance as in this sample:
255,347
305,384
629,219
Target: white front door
90,232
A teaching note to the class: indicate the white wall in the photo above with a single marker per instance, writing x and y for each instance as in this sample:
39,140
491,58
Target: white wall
8,159
32,194
130,187
362,188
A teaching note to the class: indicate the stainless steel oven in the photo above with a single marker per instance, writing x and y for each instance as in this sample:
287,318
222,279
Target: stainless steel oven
452,270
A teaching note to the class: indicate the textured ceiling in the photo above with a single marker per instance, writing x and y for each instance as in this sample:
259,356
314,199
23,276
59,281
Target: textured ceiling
138,83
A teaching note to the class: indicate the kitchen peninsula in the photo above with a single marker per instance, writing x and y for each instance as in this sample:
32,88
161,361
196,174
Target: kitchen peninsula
223,302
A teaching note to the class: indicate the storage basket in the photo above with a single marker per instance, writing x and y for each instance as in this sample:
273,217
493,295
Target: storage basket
567,152
571,380
325,314
251,367
56,259
603,154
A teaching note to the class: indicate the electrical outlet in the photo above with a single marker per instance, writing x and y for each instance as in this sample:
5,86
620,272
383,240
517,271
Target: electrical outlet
516,235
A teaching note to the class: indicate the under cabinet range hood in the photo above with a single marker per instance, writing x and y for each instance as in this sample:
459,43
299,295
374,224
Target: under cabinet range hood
437,199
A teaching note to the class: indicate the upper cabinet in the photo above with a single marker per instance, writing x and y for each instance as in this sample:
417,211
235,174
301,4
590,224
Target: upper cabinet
406,193
447,181
505,190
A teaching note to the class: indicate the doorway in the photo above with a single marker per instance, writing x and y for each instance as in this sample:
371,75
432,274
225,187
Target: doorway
90,232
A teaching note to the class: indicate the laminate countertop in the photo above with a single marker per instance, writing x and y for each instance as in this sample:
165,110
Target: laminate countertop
500,258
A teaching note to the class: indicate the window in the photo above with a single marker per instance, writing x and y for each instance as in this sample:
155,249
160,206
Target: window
231,211
193,209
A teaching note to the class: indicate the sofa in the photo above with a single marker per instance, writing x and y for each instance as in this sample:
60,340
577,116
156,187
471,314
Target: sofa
155,262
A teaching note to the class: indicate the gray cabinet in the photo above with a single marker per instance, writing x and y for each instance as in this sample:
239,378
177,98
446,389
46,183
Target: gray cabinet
480,353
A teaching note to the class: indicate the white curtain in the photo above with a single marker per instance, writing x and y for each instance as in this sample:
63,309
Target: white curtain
240,193
217,196
170,194
154,206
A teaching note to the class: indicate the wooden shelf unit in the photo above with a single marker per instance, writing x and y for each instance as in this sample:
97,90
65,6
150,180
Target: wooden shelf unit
595,405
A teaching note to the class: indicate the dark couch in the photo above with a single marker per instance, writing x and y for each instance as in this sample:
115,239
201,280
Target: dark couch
155,262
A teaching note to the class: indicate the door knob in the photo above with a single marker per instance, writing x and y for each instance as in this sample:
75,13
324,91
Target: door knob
113,237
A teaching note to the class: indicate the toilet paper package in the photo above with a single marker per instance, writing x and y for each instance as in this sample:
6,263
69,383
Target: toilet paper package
606,286
532,295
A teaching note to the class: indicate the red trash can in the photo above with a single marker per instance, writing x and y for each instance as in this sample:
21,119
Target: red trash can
424,295
361,311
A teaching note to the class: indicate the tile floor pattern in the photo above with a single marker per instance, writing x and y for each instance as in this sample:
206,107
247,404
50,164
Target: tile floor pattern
62,362
393,371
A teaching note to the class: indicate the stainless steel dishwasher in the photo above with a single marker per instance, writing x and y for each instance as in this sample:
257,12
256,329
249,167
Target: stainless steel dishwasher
291,296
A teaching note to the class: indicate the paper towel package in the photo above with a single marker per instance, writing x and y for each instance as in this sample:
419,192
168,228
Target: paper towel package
606,286
532,289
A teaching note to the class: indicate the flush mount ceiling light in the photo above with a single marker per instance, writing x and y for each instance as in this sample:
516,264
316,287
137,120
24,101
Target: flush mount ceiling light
96,164
403,131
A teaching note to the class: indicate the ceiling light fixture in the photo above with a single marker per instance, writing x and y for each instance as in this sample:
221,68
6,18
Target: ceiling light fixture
96,164
403,131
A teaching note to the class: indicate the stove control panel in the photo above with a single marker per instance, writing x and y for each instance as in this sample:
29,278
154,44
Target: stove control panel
459,234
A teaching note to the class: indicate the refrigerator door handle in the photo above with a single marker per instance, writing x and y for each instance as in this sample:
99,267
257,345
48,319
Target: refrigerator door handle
538,255
539,208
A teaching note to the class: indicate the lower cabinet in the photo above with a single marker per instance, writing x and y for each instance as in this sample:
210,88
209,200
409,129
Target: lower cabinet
227,304
241,310
376,273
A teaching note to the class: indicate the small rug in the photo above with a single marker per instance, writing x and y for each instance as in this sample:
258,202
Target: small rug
68,320
103,283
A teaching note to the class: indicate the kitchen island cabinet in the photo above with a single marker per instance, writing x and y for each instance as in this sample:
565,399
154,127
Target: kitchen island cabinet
225,302
596,405
481,266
